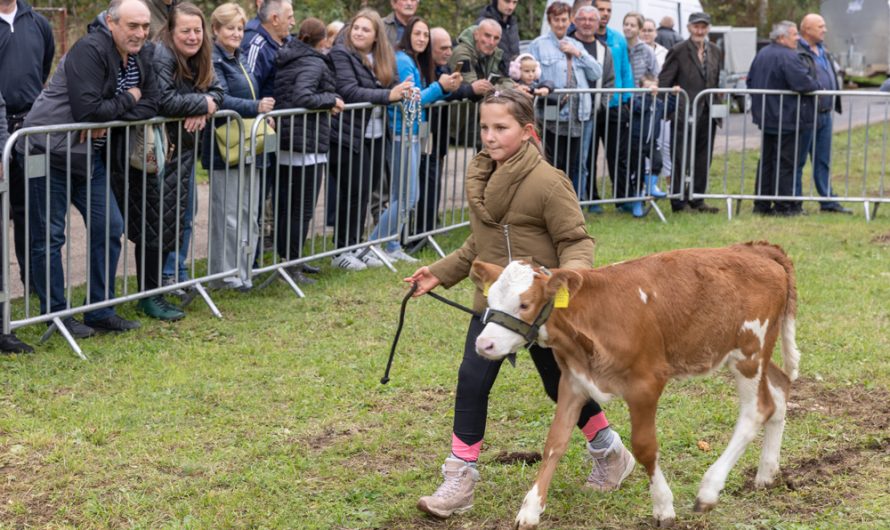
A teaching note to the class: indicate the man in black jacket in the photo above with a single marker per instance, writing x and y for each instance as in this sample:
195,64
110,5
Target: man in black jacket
784,120
26,57
504,12
107,75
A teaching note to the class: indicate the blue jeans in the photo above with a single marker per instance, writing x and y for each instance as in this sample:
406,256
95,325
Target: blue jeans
404,191
103,210
581,178
174,261
821,160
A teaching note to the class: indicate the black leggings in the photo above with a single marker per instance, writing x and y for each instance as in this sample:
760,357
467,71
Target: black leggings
476,377
296,192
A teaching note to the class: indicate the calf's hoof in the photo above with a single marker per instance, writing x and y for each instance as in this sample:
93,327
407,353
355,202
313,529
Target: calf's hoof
667,522
703,507
524,525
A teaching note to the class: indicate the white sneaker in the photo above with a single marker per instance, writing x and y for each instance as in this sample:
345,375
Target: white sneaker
348,261
400,255
369,259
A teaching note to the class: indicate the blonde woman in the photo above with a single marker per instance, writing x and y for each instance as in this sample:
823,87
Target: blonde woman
241,94
366,73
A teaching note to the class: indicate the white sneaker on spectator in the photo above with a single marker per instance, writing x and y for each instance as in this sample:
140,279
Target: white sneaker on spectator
348,261
369,258
400,255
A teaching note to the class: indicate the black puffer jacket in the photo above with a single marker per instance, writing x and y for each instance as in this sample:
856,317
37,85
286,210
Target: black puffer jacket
162,215
509,31
305,79
356,83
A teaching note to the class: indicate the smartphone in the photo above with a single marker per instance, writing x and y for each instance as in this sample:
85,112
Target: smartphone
493,78
459,67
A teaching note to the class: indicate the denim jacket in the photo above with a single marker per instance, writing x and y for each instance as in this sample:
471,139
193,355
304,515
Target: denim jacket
554,66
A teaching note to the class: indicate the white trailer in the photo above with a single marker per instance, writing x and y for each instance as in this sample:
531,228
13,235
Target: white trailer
858,34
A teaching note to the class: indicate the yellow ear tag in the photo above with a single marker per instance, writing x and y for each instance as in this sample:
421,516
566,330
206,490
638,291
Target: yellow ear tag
485,289
561,301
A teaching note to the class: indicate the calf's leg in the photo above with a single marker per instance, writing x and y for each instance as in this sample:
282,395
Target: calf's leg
768,470
567,409
756,406
642,407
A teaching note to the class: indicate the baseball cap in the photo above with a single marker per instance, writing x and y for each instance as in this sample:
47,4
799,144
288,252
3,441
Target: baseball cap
698,16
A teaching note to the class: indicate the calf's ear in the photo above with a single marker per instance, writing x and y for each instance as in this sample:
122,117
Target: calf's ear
569,279
484,274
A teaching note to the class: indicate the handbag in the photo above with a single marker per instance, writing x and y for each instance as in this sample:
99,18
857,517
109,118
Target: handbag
149,154
231,141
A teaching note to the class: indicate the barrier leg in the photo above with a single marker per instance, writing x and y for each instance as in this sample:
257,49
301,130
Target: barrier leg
435,246
658,212
288,280
382,257
729,208
57,325
207,300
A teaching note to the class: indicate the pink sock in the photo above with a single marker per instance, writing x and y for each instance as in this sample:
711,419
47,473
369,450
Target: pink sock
594,425
467,453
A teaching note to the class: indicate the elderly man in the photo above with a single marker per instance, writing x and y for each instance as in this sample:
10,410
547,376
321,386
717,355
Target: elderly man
694,66
666,35
812,34
477,51
107,75
504,12
261,48
781,66
395,22
587,23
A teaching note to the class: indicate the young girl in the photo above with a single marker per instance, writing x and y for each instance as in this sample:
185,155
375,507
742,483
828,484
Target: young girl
520,208
526,71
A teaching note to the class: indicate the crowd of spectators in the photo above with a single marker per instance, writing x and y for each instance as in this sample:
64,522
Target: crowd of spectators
147,58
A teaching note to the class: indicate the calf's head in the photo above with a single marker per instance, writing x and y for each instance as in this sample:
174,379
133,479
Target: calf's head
520,298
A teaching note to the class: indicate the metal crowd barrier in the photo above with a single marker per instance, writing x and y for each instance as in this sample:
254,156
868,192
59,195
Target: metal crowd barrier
91,166
318,204
856,170
612,157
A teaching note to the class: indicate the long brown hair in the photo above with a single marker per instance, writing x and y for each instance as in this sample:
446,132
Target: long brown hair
423,59
198,68
384,66
519,105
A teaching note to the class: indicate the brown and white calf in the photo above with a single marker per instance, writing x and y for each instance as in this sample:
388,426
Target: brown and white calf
631,327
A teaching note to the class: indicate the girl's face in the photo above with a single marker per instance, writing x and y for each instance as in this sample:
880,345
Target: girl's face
631,28
188,34
230,35
647,34
502,135
420,37
362,35
527,72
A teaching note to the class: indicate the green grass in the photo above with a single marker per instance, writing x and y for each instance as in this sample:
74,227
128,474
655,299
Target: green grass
274,416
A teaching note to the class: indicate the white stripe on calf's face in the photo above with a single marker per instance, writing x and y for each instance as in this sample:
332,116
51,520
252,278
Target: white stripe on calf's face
496,342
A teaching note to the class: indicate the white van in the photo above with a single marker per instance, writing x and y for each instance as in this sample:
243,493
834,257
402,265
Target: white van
679,10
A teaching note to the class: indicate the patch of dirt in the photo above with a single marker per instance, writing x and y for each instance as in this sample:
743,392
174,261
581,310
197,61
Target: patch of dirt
883,239
517,457
331,436
868,408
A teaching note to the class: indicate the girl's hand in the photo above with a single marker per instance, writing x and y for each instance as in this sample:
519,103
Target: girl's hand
543,92
211,105
399,90
265,105
425,281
